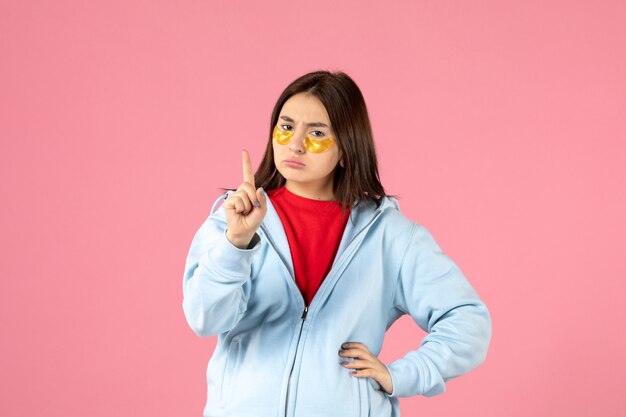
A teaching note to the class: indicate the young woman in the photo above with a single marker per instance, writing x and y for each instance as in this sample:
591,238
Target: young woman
302,269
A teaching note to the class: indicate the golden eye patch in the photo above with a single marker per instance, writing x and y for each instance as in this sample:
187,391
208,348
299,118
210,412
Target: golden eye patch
312,145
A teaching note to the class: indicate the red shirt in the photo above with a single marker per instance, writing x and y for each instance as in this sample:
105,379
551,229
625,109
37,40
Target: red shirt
314,229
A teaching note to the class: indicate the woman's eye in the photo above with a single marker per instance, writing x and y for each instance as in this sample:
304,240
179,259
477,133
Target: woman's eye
317,134
285,127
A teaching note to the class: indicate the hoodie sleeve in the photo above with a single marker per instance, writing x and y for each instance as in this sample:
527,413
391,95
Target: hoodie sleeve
434,291
216,282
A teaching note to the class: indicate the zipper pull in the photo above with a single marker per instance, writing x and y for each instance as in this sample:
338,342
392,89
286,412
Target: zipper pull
306,310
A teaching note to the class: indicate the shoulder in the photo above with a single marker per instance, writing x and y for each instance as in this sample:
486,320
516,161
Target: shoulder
394,229
393,217
411,235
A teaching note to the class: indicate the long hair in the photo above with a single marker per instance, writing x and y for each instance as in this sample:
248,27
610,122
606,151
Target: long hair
358,179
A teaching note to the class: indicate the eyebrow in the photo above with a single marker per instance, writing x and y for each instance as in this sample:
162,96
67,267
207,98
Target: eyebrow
312,124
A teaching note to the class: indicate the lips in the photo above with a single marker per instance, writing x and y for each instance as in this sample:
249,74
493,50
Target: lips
291,161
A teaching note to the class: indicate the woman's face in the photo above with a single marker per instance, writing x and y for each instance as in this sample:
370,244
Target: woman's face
307,173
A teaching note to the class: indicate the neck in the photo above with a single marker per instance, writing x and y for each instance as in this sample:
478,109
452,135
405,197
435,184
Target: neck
322,192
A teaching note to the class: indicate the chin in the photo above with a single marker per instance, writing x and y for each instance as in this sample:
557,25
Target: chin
290,175
295,179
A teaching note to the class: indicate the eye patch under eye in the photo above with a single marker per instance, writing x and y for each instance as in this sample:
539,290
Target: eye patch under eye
310,144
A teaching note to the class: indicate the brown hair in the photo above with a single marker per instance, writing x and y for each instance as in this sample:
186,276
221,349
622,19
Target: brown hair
358,179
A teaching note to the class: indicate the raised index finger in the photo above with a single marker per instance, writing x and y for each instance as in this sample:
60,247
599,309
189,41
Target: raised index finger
248,173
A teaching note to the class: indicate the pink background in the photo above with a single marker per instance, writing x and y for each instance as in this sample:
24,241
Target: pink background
500,125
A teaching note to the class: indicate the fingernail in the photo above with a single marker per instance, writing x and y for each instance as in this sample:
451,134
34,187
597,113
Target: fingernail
341,351
345,363
344,345
256,203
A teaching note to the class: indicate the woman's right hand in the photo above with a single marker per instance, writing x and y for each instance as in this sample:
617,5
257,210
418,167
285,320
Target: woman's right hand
245,208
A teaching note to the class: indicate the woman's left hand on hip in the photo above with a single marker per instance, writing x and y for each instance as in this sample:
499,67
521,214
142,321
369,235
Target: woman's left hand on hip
365,364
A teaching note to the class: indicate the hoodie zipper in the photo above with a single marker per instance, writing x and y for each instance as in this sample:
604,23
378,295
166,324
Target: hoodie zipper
303,317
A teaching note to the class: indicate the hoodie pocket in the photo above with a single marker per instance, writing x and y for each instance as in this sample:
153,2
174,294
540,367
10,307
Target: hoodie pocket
230,368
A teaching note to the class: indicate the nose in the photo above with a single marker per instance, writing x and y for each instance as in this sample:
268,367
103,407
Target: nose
296,145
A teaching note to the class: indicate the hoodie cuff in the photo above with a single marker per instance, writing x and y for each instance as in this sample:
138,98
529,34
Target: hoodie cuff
404,378
231,260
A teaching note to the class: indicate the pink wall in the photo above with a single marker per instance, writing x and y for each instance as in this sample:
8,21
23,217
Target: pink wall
500,124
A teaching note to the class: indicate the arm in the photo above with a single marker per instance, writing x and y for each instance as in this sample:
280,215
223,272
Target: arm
216,282
434,291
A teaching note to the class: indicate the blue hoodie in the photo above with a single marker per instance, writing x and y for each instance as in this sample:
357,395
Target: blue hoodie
276,357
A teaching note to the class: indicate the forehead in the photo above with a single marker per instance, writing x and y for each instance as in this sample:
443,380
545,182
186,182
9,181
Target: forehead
305,107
